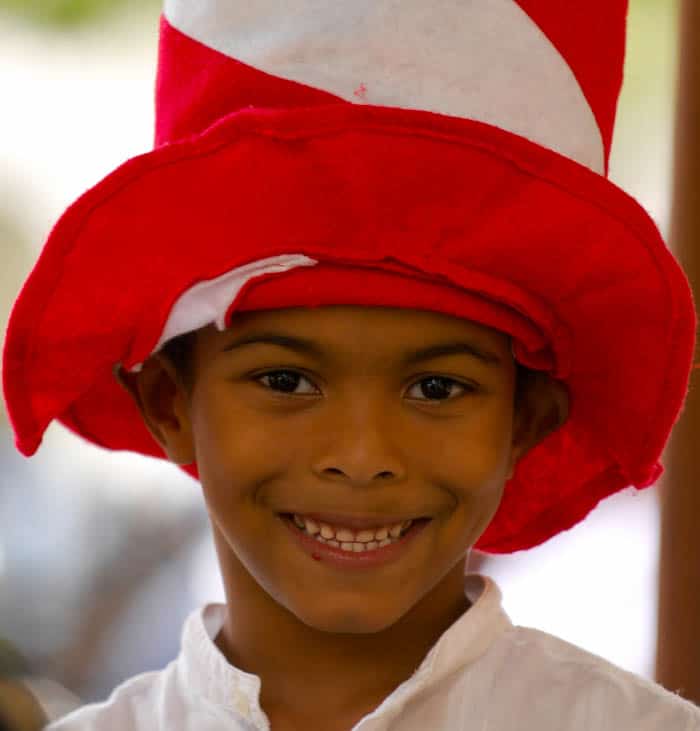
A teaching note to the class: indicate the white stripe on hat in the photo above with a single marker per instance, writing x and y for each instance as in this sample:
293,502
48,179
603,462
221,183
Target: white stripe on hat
479,59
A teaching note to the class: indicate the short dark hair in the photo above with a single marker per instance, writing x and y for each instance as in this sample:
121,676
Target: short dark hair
180,349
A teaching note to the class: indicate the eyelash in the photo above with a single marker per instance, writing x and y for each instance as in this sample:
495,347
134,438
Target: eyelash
468,388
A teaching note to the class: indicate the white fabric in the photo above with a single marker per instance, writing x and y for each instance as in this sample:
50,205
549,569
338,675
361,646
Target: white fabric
207,302
483,674
479,59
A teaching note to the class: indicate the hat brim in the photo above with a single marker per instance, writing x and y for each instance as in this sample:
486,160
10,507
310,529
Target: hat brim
467,203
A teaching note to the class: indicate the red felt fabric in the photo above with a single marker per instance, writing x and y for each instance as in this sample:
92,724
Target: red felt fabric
195,86
464,202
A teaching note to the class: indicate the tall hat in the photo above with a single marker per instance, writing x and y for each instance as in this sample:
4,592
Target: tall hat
450,156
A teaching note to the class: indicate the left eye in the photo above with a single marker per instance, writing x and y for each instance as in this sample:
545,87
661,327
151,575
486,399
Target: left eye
286,381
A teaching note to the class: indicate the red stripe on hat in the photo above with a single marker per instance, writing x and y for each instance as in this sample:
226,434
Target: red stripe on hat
571,32
197,85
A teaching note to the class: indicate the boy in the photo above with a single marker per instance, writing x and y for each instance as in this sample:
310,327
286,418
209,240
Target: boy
373,289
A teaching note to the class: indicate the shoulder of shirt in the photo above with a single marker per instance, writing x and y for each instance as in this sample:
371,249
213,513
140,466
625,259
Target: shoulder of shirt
629,701
128,706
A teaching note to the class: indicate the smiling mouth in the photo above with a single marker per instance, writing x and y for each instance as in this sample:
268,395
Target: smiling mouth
359,549
354,539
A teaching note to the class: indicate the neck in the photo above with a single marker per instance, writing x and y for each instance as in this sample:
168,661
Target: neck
304,670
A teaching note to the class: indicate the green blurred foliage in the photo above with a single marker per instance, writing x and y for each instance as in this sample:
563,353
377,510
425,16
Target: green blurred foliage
65,13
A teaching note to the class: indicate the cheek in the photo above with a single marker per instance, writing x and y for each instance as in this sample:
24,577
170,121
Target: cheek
238,451
471,462
473,452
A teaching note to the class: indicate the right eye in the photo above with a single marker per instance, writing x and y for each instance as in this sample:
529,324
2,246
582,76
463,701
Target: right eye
284,378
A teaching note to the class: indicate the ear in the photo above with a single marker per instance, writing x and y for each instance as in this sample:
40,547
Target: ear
164,405
543,408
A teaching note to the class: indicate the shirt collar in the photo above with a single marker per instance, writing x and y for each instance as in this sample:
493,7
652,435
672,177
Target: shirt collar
205,671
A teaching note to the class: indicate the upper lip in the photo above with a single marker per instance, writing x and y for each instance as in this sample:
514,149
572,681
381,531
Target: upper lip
356,521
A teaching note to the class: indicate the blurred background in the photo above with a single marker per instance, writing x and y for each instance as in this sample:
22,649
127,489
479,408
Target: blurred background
103,555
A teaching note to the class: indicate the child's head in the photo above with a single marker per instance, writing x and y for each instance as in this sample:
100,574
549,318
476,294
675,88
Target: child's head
359,430
385,181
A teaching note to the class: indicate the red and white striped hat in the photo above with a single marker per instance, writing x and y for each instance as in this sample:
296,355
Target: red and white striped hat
447,156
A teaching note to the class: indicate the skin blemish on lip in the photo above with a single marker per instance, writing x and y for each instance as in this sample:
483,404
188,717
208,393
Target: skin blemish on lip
315,557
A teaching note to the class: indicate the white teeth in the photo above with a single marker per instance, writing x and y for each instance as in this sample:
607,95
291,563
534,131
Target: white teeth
312,527
348,540
365,536
356,547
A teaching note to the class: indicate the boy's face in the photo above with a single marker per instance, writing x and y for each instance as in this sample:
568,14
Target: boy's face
354,431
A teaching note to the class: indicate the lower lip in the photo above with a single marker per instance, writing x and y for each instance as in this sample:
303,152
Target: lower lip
349,559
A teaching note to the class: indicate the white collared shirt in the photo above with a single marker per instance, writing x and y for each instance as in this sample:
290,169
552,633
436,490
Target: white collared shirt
483,674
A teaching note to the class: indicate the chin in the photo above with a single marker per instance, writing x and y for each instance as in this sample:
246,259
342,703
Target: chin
360,619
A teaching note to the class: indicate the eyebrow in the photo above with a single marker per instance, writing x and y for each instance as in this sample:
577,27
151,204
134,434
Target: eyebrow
311,348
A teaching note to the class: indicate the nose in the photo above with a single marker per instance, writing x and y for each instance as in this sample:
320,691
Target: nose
361,448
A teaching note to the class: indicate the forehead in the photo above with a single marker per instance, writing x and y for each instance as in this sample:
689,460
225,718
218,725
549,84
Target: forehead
362,329
399,319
